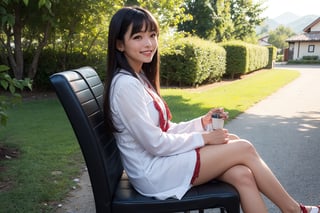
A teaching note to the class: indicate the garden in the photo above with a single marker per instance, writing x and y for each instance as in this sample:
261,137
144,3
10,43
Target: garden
47,157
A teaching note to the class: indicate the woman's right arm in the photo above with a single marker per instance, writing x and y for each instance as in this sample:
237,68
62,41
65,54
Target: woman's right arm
215,137
135,109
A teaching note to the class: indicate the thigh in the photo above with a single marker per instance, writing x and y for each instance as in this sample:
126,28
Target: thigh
215,160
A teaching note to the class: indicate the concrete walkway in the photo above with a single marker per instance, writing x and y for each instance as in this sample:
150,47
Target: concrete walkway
285,129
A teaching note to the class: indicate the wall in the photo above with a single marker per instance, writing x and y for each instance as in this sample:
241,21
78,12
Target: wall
316,27
301,49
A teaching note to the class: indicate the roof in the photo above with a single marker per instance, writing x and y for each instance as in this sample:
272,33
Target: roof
308,28
312,36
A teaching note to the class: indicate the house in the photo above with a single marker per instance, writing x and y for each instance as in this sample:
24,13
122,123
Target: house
305,44
263,40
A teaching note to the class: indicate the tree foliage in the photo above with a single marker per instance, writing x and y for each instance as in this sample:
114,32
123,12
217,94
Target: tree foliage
29,26
278,36
21,18
245,16
202,18
10,84
222,20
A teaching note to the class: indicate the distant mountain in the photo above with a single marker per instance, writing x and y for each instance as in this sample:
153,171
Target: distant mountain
288,19
298,25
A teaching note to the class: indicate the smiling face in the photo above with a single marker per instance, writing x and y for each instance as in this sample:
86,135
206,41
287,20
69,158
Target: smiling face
139,47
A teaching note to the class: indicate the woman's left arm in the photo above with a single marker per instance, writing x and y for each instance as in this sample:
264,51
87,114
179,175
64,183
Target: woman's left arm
198,124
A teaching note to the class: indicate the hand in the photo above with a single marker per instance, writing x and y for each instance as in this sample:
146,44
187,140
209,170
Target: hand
206,119
219,136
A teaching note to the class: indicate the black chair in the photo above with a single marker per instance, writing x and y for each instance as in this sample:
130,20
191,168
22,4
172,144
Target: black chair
80,92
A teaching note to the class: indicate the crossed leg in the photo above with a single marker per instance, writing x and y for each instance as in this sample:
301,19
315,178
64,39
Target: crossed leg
238,163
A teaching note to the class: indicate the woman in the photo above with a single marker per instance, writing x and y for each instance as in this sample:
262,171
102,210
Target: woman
164,159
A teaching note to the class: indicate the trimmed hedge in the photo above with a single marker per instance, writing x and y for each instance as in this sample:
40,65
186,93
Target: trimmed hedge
192,62
310,57
184,62
51,62
301,61
243,58
272,56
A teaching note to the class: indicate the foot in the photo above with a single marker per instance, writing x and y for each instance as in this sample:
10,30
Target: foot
309,209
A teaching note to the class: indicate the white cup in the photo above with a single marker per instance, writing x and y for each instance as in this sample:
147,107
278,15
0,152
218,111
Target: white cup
217,123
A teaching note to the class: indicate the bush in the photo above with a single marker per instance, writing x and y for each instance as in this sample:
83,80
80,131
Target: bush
192,62
272,56
304,61
51,62
10,84
243,58
258,57
280,58
236,58
310,57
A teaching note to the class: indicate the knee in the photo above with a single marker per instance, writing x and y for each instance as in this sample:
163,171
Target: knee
247,148
243,176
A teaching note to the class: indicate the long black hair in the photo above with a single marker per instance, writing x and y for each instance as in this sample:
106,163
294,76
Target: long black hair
119,25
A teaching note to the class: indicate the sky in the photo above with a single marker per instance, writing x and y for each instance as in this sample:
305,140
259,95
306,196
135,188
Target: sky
298,7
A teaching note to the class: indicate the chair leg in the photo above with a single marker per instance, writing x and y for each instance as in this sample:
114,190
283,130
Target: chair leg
221,210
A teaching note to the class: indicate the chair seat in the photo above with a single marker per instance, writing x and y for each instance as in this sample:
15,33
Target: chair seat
214,194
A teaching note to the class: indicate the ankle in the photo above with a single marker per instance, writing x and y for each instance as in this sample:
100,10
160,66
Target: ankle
294,208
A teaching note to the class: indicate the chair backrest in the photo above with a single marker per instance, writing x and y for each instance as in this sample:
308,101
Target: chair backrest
80,92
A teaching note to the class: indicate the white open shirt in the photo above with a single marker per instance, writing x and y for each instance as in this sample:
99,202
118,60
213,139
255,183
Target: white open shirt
159,164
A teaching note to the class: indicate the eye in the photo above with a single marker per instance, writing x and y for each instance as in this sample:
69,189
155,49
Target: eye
153,34
137,37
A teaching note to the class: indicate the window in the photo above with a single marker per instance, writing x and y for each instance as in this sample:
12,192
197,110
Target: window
311,48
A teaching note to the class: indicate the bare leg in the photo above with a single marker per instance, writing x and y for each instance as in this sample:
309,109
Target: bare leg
217,160
243,180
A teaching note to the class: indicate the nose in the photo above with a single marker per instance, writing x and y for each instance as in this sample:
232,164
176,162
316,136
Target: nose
148,42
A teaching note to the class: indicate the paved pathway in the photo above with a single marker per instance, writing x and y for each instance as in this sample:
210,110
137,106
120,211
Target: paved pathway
285,128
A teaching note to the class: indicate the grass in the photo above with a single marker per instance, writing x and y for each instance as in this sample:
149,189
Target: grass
49,157
49,154
234,97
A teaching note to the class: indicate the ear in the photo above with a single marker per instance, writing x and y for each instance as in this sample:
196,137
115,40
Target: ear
120,45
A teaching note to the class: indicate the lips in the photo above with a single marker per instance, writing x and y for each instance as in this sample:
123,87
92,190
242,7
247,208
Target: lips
147,52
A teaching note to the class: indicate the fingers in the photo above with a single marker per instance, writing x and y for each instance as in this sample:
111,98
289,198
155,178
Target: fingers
221,136
220,111
225,135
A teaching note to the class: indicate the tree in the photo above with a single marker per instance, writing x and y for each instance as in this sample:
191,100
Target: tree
30,25
223,26
245,16
16,15
202,18
65,26
222,20
169,13
278,36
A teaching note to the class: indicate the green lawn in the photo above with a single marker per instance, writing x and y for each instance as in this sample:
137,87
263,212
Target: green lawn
234,97
50,157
